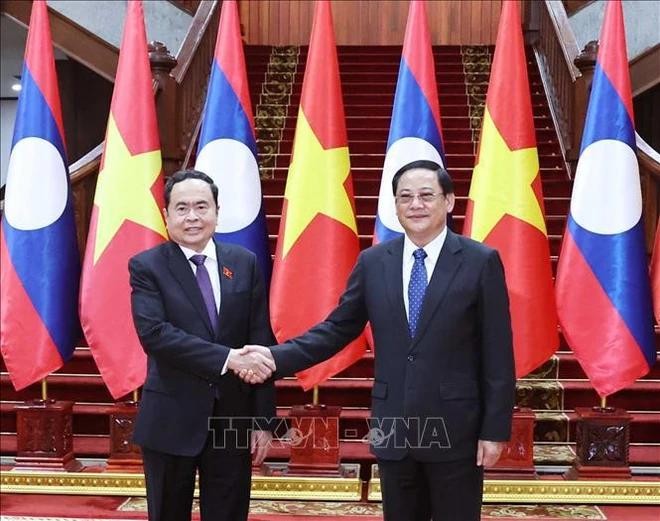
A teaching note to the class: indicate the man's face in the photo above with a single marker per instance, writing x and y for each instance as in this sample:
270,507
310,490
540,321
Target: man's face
421,205
191,216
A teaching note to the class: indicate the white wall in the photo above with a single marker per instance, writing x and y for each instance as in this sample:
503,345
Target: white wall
164,21
7,116
641,20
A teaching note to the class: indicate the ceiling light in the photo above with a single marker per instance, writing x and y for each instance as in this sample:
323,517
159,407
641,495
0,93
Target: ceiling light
16,87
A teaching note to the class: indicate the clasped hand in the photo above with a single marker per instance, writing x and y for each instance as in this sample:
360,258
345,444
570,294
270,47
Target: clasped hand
253,364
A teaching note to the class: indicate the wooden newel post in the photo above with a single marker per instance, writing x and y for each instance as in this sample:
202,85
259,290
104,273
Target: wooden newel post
162,63
586,63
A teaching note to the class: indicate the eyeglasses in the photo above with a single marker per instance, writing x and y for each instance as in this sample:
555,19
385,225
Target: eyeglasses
424,197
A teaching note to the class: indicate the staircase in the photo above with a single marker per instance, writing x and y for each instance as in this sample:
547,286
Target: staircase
368,79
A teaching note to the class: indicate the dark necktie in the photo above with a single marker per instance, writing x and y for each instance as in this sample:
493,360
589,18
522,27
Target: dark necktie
416,290
204,283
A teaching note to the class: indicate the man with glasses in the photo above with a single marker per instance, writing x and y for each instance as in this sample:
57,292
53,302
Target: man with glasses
444,384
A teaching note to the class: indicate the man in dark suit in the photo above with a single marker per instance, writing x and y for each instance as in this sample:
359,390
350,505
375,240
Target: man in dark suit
444,385
194,302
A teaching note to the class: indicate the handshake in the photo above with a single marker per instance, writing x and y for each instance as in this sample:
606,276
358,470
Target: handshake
253,364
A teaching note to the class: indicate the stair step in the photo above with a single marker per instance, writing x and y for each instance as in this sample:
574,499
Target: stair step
543,135
371,185
388,98
377,160
366,206
378,147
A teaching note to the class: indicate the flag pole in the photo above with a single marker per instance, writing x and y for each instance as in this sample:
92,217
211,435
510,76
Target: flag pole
603,402
135,395
315,395
44,390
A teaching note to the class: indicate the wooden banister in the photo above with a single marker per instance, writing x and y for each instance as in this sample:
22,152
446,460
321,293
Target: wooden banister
191,74
556,49
566,74
649,172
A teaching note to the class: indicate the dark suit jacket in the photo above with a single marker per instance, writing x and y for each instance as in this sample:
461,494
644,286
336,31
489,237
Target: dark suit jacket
185,358
436,394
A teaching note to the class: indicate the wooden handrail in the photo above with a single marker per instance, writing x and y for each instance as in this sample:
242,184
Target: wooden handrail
556,49
192,73
189,6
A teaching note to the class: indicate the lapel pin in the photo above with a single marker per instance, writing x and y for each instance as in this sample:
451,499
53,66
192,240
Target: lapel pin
227,272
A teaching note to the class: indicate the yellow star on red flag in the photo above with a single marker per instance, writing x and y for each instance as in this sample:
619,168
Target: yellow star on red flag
315,185
123,191
502,184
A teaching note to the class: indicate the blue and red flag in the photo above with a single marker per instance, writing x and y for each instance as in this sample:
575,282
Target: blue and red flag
415,130
227,146
39,259
603,289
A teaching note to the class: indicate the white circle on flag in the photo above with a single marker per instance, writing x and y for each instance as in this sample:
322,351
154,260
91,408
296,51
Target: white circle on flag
606,193
402,152
37,184
234,169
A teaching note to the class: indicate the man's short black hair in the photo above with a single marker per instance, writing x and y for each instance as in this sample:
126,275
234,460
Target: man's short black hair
190,173
444,180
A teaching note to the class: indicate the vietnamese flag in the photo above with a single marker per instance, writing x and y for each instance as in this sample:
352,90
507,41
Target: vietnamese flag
318,243
505,205
126,218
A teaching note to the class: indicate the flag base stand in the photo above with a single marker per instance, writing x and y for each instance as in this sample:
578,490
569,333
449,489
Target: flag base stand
602,443
44,436
314,440
125,456
517,459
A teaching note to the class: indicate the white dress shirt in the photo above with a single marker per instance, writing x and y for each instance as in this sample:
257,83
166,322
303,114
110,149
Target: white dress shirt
432,250
211,264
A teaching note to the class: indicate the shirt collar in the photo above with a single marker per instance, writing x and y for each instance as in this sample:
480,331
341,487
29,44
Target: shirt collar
432,249
209,250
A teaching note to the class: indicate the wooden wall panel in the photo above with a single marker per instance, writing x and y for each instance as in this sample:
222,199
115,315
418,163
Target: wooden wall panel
370,22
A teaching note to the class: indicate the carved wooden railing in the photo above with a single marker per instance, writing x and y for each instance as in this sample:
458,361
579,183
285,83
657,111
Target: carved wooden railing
192,74
566,74
556,49
649,172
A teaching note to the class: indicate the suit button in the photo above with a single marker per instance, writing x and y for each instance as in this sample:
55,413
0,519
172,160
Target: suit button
411,358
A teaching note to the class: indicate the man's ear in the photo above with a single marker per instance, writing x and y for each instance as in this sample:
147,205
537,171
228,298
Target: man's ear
451,200
165,213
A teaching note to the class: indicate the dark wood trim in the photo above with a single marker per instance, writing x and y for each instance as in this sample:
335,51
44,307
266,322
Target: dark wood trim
195,35
76,41
189,6
644,70
573,6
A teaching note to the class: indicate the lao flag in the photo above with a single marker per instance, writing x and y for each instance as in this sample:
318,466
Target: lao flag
415,131
39,259
603,290
227,146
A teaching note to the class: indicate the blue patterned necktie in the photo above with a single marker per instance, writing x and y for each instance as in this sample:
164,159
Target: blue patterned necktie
204,283
416,290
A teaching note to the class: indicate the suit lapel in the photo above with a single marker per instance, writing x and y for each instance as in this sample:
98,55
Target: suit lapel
444,272
226,271
394,280
182,271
